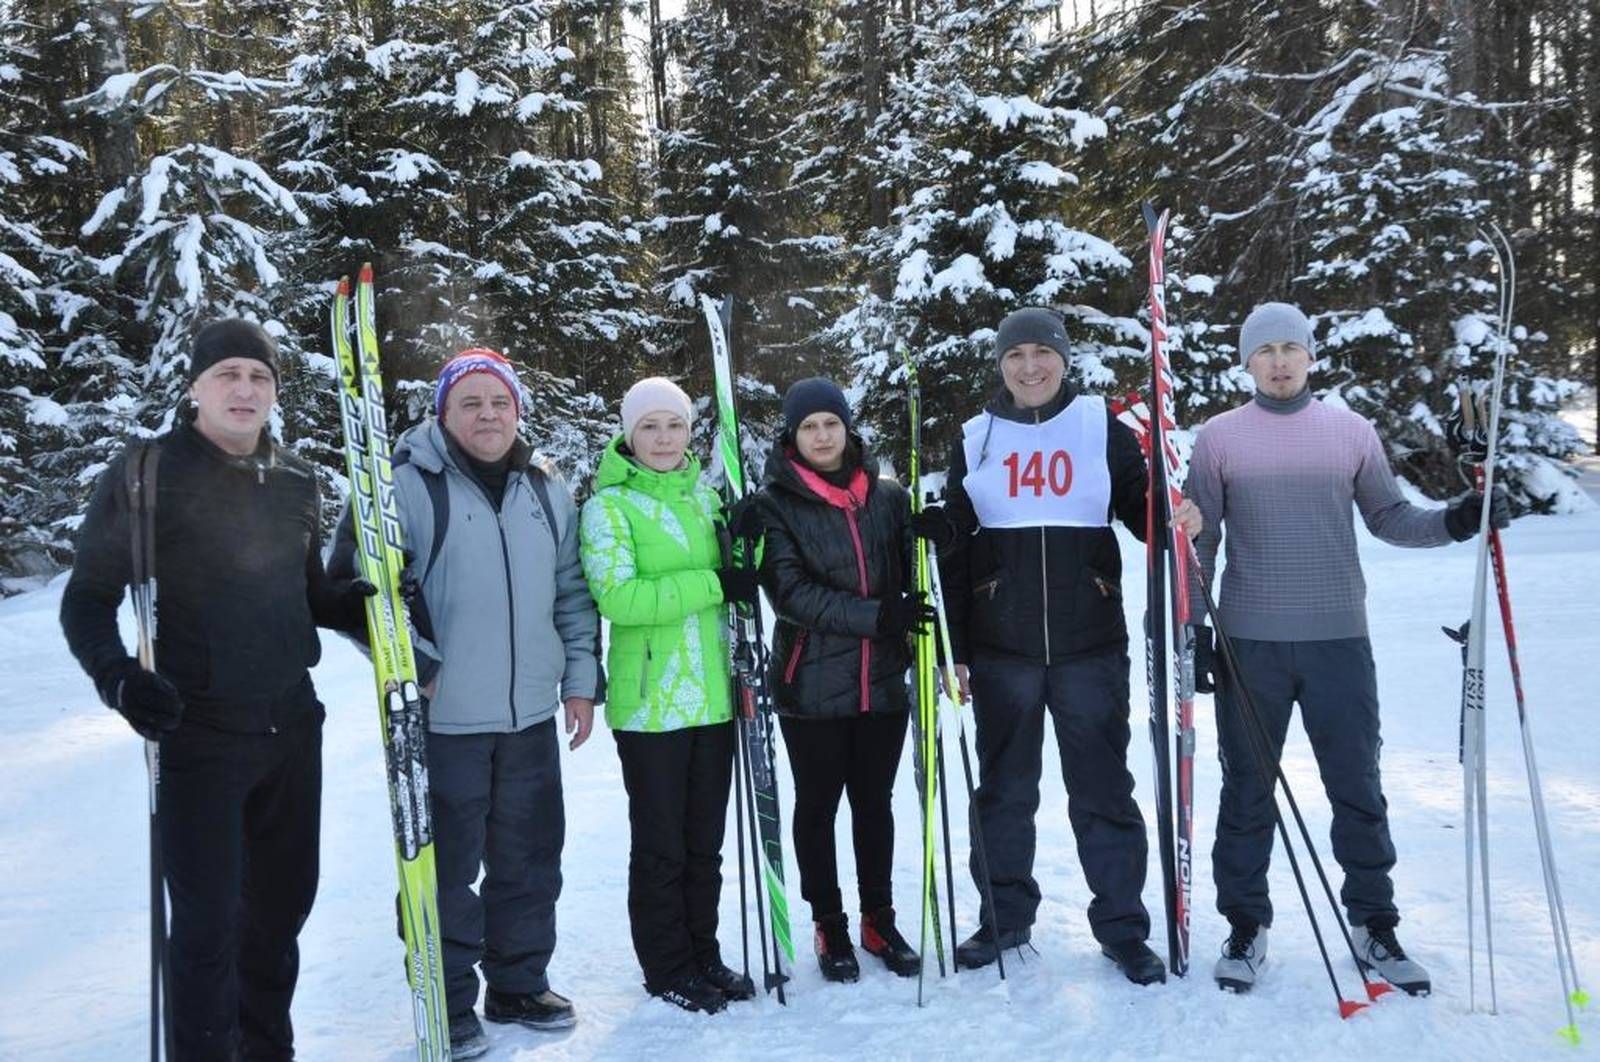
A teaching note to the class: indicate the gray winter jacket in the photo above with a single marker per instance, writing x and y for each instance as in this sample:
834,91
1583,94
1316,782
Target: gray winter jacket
504,621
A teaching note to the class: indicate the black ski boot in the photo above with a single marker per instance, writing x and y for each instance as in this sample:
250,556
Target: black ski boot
693,992
979,949
880,937
466,1036
1136,961
735,986
835,956
533,1010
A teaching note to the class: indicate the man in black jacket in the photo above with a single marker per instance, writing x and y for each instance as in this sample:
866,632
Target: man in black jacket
241,590
1033,577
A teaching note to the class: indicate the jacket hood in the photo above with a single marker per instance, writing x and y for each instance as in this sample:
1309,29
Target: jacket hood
619,469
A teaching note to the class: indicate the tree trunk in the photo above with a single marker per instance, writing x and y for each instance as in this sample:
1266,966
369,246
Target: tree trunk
111,136
872,86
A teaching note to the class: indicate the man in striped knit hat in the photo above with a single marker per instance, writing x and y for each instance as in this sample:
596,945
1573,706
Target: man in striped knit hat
1277,481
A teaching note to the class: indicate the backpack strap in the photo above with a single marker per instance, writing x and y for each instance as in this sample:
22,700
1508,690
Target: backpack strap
439,499
540,475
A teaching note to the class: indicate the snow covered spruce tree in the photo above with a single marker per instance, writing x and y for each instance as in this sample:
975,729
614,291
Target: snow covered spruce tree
34,161
977,138
134,255
729,220
430,141
1342,161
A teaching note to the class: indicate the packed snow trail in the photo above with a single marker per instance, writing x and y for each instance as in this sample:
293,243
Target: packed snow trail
73,916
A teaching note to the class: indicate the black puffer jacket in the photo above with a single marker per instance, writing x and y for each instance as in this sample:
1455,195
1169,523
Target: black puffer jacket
1042,594
240,585
827,659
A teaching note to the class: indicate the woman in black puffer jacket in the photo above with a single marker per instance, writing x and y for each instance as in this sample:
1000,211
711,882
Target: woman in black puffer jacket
836,568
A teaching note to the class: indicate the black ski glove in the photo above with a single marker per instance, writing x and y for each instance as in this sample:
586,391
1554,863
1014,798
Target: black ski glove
1208,666
904,615
148,702
1462,517
744,518
410,580
350,602
739,585
935,525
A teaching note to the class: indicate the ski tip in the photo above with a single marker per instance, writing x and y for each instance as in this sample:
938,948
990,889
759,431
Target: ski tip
1349,1007
1580,998
1376,990
1569,1034
344,287
366,272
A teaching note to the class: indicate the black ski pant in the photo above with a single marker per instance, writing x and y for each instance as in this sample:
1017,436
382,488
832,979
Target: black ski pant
1336,686
239,819
497,808
1087,699
678,783
856,755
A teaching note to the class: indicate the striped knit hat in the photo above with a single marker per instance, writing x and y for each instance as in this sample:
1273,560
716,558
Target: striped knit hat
476,359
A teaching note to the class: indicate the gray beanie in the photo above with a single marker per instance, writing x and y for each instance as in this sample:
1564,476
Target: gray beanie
1274,322
1031,324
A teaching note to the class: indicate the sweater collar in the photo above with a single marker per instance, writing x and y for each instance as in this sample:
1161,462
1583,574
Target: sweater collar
1284,406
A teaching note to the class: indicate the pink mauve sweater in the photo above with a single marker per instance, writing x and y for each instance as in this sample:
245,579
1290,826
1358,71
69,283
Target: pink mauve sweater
1275,480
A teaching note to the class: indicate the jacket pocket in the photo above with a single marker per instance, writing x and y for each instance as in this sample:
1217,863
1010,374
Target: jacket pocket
793,665
644,673
1106,587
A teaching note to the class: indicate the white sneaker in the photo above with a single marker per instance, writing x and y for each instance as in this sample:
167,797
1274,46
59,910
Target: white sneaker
1243,954
1378,951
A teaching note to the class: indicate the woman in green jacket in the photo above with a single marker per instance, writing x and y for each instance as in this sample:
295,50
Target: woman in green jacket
651,554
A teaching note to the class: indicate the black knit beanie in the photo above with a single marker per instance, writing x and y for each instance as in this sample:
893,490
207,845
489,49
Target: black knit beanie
816,395
232,338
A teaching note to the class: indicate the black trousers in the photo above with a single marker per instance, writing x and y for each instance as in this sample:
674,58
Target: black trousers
1087,699
1336,686
240,820
678,783
859,756
497,808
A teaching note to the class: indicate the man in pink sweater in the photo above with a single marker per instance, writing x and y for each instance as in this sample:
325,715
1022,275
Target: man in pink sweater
1277,481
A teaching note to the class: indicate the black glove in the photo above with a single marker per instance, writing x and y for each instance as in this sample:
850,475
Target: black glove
935,525
410,580
148,702
739,585
1208,666
744,518
904,614
1462,517
350,601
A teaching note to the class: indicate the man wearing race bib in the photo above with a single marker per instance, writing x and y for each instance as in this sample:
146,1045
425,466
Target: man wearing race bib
1032,574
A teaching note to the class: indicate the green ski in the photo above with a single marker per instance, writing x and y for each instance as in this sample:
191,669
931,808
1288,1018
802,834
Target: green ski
380,557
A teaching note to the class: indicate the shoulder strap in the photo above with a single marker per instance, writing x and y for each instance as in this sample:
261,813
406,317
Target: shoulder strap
439,499
541,486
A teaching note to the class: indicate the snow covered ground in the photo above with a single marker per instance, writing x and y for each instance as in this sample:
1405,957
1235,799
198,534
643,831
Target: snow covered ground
72,892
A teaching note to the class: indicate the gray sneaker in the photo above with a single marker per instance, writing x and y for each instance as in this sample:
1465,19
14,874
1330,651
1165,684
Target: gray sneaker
1243,954
1379,952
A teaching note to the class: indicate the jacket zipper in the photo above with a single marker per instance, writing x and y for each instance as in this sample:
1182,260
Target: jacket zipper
794,659
866,643
511,618
1044,580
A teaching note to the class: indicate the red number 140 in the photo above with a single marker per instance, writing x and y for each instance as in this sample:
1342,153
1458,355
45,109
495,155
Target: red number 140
1035,476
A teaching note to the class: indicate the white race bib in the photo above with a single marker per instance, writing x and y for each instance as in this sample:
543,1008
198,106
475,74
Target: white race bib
1049,474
